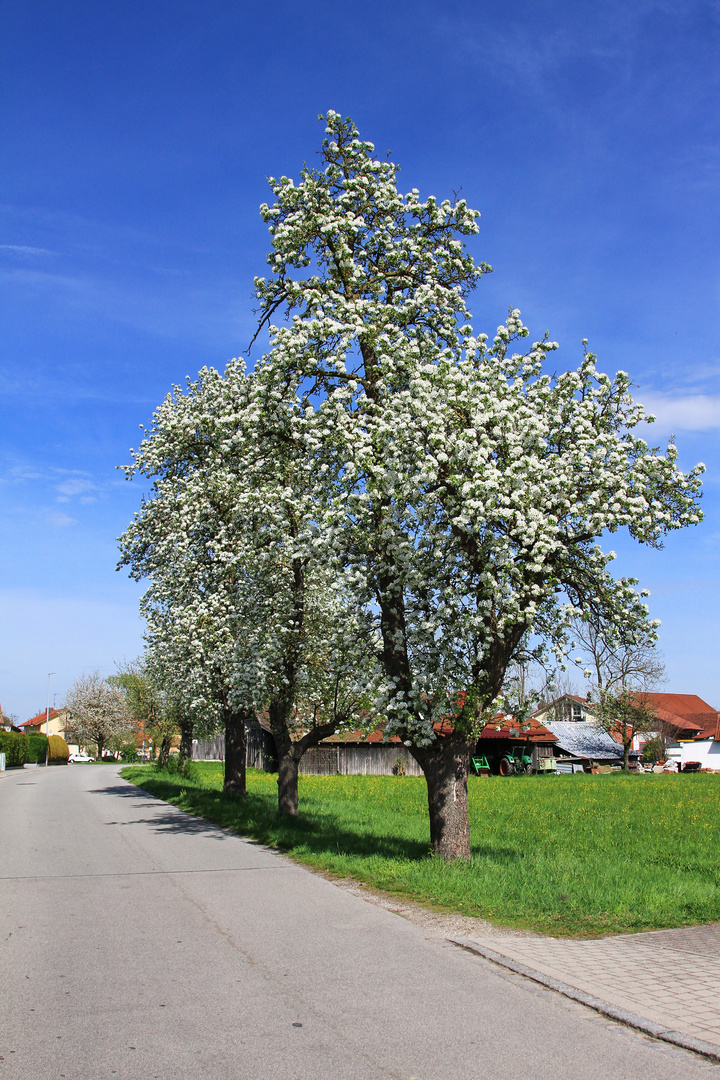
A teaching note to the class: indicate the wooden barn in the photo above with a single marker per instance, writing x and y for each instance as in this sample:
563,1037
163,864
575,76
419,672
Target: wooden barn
503,735
358,754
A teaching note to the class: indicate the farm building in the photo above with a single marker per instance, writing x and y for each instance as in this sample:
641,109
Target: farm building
504,737
586,741
360,754
690,726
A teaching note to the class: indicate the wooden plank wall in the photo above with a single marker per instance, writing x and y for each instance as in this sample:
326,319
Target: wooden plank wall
209,749
373,760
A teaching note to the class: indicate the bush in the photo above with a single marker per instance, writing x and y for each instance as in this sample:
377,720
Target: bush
37,748
654,750
128,752
177,767
15,748
58,750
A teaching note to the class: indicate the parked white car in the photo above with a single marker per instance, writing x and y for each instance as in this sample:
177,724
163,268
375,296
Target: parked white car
74,759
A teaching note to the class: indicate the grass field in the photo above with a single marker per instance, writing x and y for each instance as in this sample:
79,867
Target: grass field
576,855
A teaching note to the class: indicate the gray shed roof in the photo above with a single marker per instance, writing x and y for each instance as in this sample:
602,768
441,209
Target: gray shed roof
585,738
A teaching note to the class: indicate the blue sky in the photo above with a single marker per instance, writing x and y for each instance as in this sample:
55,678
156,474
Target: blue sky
136,141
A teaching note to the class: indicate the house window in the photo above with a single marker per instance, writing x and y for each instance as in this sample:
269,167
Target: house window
577,711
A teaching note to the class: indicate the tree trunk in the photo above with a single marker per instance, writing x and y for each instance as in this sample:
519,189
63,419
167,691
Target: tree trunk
626,756
186,735
164,755
445,764
101,747
288,784
235,751
279,714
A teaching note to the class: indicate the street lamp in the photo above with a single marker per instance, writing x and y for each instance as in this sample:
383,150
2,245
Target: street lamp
47,708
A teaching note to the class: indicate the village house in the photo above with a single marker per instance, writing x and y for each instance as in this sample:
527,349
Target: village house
58,722
568,709
7,723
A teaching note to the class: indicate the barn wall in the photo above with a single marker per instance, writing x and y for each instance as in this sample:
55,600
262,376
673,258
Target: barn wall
209,749
372,759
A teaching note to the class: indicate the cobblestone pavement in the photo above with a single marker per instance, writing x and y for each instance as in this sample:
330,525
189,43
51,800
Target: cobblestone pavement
669,977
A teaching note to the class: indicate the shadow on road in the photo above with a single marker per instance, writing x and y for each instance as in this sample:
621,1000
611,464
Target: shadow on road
167,819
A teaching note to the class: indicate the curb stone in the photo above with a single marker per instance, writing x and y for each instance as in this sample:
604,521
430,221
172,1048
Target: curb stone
658,1031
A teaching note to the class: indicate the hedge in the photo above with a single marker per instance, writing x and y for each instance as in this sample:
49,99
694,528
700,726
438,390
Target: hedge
37,748
15,748
58,750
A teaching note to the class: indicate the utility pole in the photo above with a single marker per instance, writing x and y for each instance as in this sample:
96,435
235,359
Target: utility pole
47,716
47,708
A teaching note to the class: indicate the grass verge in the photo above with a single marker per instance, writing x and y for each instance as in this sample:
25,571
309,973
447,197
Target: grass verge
567,855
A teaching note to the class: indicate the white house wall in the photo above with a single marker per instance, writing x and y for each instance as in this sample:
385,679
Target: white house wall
706,751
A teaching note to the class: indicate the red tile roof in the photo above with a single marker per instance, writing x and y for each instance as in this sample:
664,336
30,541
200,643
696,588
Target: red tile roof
39,720
500,727
361,737
686,712
509,728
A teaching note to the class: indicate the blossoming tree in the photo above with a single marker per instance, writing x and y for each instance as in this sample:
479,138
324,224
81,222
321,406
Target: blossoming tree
463,489
243,602
98,712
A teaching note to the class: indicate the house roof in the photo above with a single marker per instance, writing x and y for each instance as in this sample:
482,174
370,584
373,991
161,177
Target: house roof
585,739
361,737
37,721
507,727
686,712
500,727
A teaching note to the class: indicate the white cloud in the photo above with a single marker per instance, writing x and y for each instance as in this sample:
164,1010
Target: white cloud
59,521
683,412
23,249
75,486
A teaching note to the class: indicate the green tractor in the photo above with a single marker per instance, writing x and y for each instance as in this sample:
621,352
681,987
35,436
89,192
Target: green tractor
516,762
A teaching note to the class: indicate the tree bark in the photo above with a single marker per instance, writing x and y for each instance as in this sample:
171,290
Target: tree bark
100,748
186,735
445,764
235,750
164,755
290,755
288,784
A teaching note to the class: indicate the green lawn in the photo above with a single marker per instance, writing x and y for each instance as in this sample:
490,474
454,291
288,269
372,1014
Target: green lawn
579,855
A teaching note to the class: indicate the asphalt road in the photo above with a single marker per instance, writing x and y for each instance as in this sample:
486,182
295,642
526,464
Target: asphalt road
141,943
